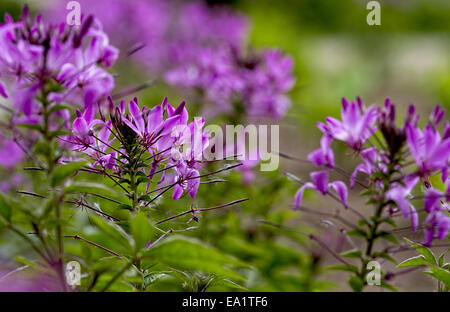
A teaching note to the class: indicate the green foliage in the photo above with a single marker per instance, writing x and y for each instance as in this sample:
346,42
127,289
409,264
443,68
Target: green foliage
191,254
5,208
141,230
435,268
61,173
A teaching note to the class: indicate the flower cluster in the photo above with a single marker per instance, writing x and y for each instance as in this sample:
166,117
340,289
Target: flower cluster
394,158
55,61
149,142
189,46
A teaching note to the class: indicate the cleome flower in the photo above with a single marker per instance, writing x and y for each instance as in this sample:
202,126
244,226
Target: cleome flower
356,127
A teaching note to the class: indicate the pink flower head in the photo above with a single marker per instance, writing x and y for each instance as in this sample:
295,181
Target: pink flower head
399,194
437,226
357,124
429,150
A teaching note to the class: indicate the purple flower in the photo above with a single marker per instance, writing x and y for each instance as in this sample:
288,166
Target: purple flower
320,183
324,155
267,83
85,122
186,178
3,91
436,116
34,53
373,162
433,199
188,162
429,150
399,194
437,226
356,127
10,153
11,182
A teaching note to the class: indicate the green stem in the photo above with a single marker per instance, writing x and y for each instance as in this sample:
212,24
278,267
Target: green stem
56,200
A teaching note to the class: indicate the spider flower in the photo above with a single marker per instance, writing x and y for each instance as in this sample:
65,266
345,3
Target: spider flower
356,126
62,60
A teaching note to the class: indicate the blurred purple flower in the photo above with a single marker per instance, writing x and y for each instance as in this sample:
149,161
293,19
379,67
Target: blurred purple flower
437,226
324,155
399,194
34,53
429,150
10,153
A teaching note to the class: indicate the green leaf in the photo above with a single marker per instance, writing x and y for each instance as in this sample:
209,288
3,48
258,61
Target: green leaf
389,221
141,230
441,260
357,232
113,231
388,286
386,256
367,192
59,107
441,275
59,133
122,181
414,261
426,252
35,127
63,172
144,197
356,283
192,254
89,187
353,253
143,180
387,236
153,277
124,206
5,208
347,268
227,283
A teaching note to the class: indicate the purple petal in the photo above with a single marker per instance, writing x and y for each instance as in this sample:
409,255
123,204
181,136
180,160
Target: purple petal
177,192
80,127
320,179
137,116
89,114
413,136
130,124
432,200
341,190
193,184
3,91
359,168
155,118
299,194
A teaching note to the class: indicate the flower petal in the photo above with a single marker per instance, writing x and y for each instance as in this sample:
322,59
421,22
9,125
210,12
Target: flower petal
320,179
